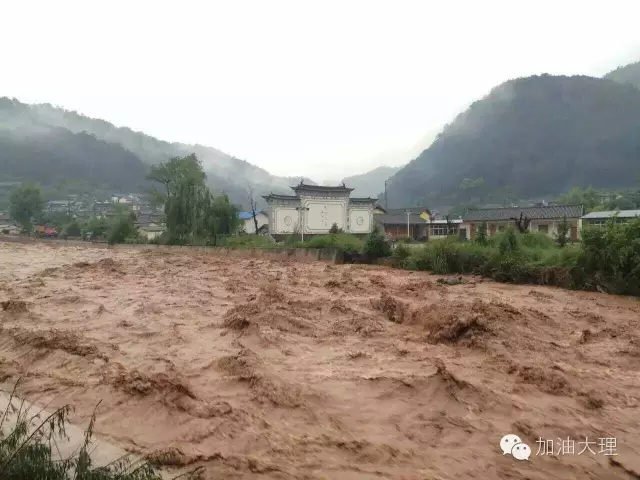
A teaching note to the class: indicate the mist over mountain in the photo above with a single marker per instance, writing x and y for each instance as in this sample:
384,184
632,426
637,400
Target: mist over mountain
370,184
627,74
528,137
42,143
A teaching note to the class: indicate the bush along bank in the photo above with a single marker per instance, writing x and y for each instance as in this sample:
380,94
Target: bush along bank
607,259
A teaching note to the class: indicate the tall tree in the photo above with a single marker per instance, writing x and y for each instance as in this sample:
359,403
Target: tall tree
254,207
26,203
175,172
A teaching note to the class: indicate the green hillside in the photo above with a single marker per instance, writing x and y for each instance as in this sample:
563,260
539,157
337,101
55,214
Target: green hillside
370,184
117,156
629,74
529,137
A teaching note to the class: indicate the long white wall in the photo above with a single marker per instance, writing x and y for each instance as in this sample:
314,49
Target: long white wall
318,214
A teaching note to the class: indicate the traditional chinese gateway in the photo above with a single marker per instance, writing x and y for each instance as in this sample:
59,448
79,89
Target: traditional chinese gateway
314,209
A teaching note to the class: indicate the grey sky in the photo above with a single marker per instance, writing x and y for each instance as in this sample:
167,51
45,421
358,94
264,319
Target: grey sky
297,87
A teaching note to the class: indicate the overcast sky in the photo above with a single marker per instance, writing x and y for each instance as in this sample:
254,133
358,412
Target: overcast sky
299,87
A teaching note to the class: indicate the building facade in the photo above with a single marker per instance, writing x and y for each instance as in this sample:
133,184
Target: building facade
599,219
543,219
248,225
314,209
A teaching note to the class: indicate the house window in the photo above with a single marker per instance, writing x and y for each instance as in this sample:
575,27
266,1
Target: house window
597,223
441,230
501,228
543,229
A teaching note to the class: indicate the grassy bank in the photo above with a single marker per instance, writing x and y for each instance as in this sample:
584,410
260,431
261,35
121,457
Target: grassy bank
607,259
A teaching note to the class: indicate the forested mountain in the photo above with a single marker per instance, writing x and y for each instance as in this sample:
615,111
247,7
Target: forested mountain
370,184
531,136
57,155
628,74
123,154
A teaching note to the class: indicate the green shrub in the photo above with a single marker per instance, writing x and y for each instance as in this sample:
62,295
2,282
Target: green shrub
482,237
562,236
508,241
404,239
400,254
27,454
342,241
334,229
537,240
245,241
610,257
120,230
376,245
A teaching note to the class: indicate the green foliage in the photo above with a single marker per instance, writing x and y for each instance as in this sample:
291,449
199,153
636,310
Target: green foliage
404,239
588,197
376,245
71,229
193,214
121,230
508,241
562,235
610,257
26,203
334,229
176,173
97,226
26,452
401,253
536,240
607,258
482,237
245,241
341,241
525,143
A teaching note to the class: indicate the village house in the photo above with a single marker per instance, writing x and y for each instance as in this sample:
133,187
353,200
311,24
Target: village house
419,224
247,225
151,231
598,219
543,219
405,222
314,209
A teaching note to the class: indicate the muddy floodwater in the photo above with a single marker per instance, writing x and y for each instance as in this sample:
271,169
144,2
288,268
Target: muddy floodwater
262,369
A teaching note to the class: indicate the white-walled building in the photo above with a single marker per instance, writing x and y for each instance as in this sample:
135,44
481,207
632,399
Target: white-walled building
249,226
544,219
314,209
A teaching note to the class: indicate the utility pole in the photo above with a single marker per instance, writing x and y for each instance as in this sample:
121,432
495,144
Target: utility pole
386,202
301,219
408,212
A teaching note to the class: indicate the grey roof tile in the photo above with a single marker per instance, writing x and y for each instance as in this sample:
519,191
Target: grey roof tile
534,213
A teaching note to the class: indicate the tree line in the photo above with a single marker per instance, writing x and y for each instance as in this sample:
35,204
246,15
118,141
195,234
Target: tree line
193,214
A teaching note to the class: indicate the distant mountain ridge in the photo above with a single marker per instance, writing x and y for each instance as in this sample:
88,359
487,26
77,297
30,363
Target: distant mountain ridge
370,184
629,74
529,137
224,172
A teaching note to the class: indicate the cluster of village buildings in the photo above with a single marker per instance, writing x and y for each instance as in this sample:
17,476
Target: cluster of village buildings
314,210
83,207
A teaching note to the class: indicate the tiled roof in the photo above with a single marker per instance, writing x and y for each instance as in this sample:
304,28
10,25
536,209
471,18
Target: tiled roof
534,213
277,196
362,199
399,219
611,213
402,211
321,188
